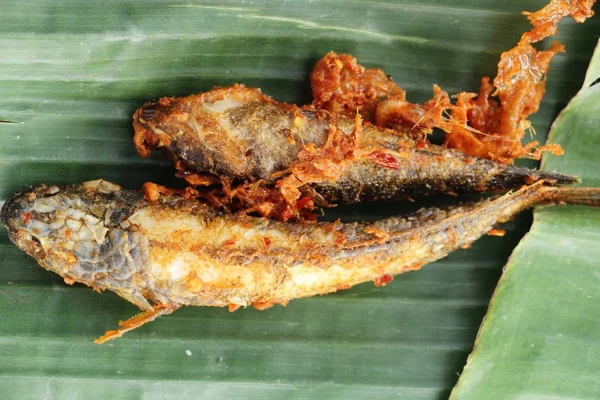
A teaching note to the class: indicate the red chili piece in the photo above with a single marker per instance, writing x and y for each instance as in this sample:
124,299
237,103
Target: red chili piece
383,280
384,159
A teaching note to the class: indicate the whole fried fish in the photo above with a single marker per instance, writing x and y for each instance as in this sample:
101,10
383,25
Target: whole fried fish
175,252
240,134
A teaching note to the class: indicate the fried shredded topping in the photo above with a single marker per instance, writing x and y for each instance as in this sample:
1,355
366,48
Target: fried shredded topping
326,163
344,87
290,197
488,124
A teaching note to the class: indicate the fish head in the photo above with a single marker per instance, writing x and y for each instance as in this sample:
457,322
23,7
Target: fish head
24,224
195,115
153,125
181,128
155,115
76,232
204,132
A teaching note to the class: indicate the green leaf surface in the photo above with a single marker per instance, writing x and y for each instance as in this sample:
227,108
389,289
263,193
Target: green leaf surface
540,335
72,73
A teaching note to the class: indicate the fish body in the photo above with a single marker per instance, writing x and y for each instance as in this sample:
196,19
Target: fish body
175,252
239,134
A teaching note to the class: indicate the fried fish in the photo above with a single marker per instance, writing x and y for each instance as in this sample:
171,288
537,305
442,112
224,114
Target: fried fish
238,134
176,252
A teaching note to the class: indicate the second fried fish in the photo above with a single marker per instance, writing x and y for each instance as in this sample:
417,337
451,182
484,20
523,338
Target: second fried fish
238,134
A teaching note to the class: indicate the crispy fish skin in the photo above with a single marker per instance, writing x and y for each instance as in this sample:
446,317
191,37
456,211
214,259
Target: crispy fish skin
239,134
176,252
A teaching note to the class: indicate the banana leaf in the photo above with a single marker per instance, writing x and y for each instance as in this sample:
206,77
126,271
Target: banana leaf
72,73
541,331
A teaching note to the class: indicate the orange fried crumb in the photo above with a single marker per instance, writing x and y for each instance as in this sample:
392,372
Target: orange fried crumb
383,280
262,305
378,233
152,192
496,232
26,217
233,307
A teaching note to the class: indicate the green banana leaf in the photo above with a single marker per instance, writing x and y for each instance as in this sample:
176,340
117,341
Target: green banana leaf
72,73
541,331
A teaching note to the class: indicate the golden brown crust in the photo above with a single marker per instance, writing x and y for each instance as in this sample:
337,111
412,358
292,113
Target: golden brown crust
489,124
342,86
498,115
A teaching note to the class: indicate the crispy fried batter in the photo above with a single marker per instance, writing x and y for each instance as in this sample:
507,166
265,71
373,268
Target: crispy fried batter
498,124
489,124
323,164
544,20
418,120
344,87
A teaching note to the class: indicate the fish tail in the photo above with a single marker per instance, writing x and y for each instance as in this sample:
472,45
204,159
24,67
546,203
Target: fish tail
505,207
550,177
571,195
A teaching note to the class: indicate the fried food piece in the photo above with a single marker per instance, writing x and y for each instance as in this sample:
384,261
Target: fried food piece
489,124
498,115
277,159
177,252
343,87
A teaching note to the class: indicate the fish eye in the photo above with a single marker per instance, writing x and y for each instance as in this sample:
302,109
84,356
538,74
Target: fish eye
148,113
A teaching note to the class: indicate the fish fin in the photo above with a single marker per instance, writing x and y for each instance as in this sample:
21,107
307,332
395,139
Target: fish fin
587,196
135,297
136,321
513,174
